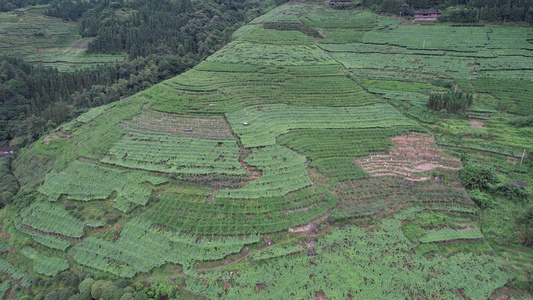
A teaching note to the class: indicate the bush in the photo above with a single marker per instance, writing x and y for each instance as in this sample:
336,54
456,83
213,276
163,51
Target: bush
522,121
112,293
127,296
476,177
525,222
481,199
513,192
85,285
99,287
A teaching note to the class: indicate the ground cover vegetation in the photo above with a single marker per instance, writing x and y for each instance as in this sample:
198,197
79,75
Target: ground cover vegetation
323,153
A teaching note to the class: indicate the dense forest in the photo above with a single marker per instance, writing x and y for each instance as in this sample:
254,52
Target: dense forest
460,10
160,38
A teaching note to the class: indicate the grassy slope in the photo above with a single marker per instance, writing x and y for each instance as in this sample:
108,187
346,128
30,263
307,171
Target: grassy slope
364,69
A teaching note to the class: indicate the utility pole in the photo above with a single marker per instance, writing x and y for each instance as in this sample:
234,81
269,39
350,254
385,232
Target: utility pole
455,88
424,44
523,156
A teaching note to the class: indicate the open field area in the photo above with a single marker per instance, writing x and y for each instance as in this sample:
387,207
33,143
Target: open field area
300,161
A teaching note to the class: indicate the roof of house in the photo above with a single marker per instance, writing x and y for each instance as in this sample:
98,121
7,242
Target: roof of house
518,182
6,149
428,11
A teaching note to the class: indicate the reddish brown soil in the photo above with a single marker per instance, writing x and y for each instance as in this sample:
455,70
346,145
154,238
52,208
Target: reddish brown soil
476,123
413,155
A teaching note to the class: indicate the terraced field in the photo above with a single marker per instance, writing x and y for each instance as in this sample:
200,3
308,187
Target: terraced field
299,161
28,33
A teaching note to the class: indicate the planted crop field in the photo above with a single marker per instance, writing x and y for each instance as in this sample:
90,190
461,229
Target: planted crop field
378,195
27,31
206,127
142,247
282,172
341,19
322,143
48,266
169,154
268,54
269,121
379,259
86,182
271,36
49,218
46,40
222,87
23,278
414,155
230,216
50,241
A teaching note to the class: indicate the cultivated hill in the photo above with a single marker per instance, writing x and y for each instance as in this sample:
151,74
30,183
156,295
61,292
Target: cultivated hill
299,161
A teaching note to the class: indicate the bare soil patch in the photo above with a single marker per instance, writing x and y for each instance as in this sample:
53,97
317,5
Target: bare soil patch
309,226
476,123
413,155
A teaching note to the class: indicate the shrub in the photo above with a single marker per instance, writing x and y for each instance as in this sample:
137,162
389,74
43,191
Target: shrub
513,192
99,287
481,199
476,177
85,285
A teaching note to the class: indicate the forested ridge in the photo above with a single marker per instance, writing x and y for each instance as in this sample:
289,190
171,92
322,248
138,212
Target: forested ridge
159,39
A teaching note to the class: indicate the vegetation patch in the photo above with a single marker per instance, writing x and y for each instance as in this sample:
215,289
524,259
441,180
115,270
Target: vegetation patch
84,181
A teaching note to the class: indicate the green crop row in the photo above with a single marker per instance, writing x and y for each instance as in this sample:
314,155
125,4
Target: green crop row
277,252
271,36
282,172
51,218
85,182
225,216
321,143
341,168
448,234
174,154
48,266
153,122
267,122
142,247
47,240
14,272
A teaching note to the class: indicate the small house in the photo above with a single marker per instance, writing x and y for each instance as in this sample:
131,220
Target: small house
5,151
335,2
427,15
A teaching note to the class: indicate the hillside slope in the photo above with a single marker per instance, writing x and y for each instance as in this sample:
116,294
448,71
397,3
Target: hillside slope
231,180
